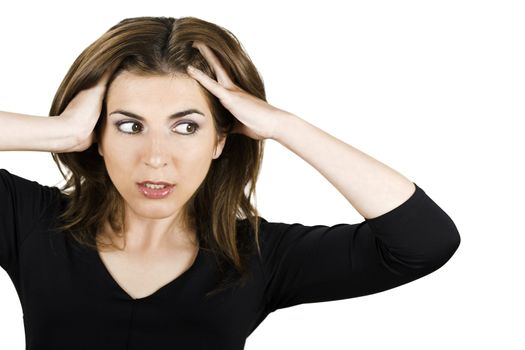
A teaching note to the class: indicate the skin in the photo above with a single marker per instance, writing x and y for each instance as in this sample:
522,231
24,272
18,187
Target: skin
157,149
160,151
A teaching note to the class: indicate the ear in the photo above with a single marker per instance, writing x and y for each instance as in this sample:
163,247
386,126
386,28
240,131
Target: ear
100,149
221,141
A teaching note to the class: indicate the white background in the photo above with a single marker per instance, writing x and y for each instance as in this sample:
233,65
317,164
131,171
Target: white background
434,89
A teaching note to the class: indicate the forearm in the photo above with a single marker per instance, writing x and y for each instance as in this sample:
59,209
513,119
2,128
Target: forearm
370,186
22,132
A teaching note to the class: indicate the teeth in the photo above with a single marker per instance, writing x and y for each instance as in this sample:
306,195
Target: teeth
154,186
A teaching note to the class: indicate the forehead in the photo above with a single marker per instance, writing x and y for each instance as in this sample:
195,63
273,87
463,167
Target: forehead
129,90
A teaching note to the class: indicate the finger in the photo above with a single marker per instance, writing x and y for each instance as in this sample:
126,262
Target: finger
222,76
104,79
107,74
210,84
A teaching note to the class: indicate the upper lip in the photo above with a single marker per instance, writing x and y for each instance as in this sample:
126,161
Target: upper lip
156,183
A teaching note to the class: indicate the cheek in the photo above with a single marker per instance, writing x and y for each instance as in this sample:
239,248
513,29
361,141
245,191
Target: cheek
119,162
119,157
118,171
193,165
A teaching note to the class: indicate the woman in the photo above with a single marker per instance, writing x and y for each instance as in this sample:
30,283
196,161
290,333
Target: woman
112,260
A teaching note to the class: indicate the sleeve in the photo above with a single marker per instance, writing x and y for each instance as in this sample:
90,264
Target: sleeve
308,264
22,203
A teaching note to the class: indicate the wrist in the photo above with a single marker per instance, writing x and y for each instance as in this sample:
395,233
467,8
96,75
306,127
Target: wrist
284,123
72,134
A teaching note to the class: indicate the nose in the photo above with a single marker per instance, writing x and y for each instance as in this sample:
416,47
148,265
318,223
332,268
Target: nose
157,153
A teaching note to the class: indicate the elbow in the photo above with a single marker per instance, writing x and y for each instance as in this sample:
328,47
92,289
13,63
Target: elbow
426,257
450,243
438,251
453,243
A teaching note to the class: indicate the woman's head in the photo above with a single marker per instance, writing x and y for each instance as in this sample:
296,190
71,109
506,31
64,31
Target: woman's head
210,167
140,140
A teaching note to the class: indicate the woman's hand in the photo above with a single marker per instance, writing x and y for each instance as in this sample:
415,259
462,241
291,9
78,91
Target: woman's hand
83,111
255,117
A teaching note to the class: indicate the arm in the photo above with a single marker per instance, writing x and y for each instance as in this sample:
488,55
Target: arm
370,186
71,131
307,264
21,132
405,234
23,202
402,239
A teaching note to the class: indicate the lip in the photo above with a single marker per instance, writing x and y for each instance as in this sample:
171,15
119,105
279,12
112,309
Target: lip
155,183
155,193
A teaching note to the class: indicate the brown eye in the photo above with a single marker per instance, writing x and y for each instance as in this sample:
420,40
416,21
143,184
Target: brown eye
193,127
133,129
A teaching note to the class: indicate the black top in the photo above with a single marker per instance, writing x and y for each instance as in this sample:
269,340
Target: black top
70,300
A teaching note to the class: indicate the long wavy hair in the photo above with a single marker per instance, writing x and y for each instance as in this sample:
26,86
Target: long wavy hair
160,46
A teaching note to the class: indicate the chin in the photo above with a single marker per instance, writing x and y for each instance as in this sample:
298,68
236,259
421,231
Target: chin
155,208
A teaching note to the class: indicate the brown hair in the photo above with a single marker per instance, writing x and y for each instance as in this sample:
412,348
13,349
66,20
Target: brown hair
159,46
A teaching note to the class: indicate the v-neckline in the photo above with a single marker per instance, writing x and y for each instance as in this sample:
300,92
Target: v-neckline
177,280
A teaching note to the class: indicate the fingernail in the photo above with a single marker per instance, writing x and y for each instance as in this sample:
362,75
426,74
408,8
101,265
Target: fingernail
192,69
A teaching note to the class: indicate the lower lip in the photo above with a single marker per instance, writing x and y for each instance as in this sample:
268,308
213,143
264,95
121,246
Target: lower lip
154,193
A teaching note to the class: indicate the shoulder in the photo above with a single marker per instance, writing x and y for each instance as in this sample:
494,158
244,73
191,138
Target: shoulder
271,233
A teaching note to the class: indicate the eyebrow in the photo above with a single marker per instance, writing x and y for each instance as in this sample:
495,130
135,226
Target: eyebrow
173,116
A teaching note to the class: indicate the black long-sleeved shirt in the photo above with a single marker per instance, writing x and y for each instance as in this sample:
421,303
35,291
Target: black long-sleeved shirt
70,300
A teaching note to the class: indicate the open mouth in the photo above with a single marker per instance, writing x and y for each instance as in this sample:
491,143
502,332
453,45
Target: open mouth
155,191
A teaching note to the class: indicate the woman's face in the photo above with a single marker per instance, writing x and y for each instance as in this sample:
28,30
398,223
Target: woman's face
178,150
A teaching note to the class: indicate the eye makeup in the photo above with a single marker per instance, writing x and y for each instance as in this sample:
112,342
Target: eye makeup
193,124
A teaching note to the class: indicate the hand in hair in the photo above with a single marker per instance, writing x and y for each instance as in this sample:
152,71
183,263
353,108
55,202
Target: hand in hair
83,111
256,118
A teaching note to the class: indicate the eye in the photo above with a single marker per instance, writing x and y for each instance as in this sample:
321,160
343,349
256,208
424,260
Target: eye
134,130
193,129
120,123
